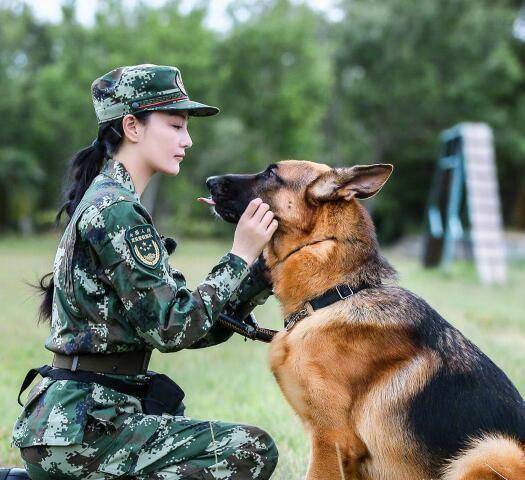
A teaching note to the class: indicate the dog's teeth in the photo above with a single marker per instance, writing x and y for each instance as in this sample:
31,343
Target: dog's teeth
209,201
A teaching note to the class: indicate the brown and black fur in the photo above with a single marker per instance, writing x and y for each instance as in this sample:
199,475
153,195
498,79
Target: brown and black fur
385,387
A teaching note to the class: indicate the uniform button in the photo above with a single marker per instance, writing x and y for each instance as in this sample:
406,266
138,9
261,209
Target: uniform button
135,104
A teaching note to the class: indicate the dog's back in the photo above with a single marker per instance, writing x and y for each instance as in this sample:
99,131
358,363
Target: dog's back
446,412
468,399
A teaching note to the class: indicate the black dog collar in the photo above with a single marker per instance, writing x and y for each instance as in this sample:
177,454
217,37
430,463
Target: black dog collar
335,294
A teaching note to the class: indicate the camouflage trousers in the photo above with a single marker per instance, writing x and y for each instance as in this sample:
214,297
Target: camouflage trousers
181,448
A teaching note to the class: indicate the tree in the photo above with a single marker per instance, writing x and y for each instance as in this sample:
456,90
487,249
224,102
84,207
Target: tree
20,176
406,71
273,75
276,77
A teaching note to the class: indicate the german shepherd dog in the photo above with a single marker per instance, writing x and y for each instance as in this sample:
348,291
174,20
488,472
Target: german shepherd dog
385,387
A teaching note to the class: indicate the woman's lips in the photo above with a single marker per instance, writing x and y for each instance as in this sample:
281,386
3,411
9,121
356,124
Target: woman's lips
208,201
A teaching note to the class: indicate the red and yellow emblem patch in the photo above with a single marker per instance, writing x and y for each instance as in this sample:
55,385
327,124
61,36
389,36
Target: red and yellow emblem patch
144,245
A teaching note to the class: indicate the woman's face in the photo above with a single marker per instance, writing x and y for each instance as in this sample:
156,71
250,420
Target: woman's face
163,140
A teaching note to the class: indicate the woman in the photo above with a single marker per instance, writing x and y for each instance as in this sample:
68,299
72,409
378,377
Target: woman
114,297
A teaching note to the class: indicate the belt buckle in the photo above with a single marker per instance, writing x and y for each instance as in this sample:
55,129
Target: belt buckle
296,317
341,295
74,364
145,363
290,325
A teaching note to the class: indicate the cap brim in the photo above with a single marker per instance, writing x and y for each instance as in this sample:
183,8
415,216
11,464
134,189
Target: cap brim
194,109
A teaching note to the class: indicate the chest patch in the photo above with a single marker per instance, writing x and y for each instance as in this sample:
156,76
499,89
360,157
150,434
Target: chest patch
144,245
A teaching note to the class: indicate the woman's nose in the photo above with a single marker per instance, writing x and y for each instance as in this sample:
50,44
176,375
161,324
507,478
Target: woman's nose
187,143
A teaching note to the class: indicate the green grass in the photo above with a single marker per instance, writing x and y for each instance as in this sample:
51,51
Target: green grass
232,382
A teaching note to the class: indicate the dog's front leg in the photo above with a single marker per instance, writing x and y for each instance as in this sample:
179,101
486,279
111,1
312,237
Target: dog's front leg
332,460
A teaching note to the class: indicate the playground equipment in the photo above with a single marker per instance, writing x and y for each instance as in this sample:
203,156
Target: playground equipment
465,192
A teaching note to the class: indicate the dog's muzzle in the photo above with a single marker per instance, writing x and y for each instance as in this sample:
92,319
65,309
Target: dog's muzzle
227,204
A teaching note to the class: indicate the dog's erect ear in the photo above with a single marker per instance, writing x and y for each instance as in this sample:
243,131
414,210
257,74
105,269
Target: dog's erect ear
359,181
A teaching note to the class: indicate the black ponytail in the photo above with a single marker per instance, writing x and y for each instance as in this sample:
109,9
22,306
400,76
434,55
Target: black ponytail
84,166
46,287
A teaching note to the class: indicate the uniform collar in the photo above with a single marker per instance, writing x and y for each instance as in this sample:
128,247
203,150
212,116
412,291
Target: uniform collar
118,172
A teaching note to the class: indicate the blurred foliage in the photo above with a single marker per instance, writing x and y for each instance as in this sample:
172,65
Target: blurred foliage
406,72
20,177
376,86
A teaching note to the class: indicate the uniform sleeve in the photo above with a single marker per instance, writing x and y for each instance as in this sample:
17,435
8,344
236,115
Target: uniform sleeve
253,291
164,312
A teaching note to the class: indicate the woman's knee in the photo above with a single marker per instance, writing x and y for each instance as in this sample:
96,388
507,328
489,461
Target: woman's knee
264,449
33,458
62,462
271,448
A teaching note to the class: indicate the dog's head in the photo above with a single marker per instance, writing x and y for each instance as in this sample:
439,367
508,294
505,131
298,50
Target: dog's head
296,191
325,236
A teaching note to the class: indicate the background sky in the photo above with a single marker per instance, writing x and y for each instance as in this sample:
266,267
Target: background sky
217,18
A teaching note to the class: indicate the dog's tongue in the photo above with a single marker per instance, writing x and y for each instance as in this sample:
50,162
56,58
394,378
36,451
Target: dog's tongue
209,201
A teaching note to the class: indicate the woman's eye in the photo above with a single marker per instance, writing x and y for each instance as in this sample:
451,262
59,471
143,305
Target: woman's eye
178,127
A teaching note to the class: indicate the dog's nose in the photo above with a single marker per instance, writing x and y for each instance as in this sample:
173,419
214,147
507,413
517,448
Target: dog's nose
211,181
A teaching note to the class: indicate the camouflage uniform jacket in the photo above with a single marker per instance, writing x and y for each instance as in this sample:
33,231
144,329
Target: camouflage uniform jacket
116,292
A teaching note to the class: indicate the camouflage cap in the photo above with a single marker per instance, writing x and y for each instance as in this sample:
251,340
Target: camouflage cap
144,87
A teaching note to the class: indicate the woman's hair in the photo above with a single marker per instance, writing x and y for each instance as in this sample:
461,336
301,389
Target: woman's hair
84,166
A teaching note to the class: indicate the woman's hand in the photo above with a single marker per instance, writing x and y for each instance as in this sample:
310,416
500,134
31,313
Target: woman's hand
254,230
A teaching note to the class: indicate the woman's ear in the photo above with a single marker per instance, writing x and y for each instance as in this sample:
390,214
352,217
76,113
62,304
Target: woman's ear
359,181
131,128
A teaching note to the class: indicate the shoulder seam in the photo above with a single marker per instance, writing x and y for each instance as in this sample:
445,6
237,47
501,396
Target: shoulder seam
118,200
93,210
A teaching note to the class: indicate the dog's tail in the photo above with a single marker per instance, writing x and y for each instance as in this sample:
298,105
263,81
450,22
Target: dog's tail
491,457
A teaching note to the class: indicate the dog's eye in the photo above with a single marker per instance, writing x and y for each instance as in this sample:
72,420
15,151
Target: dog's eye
272,174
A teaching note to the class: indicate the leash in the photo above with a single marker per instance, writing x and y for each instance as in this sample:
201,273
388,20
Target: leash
248,330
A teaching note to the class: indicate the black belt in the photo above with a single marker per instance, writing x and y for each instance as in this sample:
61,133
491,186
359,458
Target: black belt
126,363
89,368
128,388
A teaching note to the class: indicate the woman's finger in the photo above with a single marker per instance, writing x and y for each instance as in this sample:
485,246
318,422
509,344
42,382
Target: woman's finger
267,219
251,208
272,228
259,214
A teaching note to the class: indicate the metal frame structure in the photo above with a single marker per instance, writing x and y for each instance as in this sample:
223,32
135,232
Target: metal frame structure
465,175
